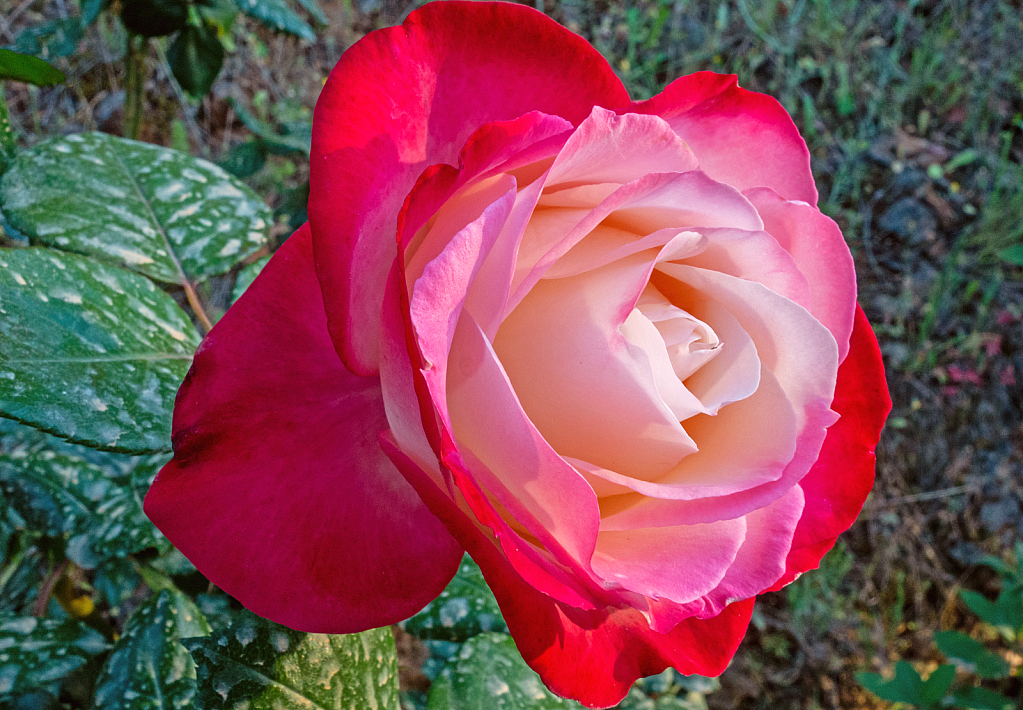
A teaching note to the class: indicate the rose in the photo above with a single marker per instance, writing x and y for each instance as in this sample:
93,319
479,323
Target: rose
615,354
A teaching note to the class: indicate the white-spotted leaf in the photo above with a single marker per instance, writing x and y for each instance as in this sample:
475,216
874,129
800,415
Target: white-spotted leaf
149,669
489,674
57,494
37,652
259,665
89,352
464,609
163,213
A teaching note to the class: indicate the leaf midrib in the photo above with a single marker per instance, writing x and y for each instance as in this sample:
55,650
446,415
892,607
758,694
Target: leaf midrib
252,672
171,254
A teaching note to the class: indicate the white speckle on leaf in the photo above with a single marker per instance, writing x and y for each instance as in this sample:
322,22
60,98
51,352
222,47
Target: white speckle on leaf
232,247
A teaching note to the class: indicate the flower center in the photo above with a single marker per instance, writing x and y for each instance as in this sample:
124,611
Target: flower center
690,342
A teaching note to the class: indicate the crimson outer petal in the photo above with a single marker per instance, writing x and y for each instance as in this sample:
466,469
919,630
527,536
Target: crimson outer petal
592,655
837,485
407,97
278,491
741,138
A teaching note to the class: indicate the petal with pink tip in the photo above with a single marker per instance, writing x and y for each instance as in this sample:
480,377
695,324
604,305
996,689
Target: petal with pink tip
822,256
740,137
295,533
407,97
589,391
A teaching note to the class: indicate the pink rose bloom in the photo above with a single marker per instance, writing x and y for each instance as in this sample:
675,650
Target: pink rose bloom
609,348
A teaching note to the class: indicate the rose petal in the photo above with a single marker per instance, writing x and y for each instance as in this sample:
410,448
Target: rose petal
740,137
720,467
680,563
275,488
590,391
654,202
837,485
608,148
523,472
821,255
592,655
753,256
406,97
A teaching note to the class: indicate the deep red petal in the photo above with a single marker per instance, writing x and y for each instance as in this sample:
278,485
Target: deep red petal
837,485
278,491
741,138
593,656
406,97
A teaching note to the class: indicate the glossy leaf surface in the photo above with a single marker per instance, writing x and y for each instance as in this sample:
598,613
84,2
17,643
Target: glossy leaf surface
464,609
149,668
89,352
489,674
259,665
154,210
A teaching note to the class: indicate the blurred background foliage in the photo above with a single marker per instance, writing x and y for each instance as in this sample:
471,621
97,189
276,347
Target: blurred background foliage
913,112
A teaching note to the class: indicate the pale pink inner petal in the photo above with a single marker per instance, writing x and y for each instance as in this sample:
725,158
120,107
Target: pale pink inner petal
641,332
591,392
490,290
801,353
753,256
733,373
523,471
464,208
606,244
653,202
747,444
607,147
688,342
687,200
679,563
819,249
588,196
761,559
437,296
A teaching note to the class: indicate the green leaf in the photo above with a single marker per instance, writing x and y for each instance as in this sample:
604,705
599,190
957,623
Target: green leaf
154,18
975,698
906,687
1013,254
313,8
937,684
89,352
195,57
149,668
299,141
489,674
37,652
276,15
971,652
1006,611
981,606
246,276
245,159
21,575
58,494
259,665
89,10
464,609
55,38
154,210
7,144
23,67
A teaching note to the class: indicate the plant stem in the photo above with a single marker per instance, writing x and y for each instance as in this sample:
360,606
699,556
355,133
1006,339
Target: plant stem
134,85
43,599
6,134
197,308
